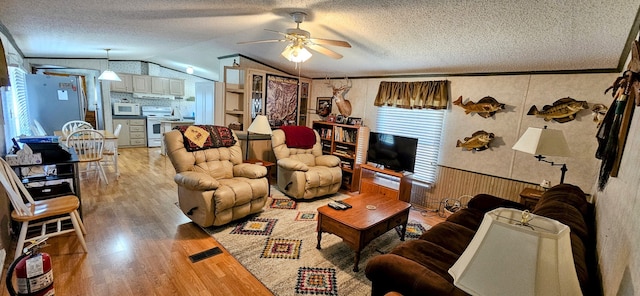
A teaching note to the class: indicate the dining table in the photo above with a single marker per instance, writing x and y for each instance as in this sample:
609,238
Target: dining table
109,139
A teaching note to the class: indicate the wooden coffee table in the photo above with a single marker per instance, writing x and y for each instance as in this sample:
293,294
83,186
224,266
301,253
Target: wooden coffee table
359,225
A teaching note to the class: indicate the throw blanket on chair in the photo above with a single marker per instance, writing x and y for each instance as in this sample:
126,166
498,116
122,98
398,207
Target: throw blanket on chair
200,137
299,136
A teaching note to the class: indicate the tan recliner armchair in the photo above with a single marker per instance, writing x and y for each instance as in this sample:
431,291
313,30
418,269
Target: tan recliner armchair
214,186
305,173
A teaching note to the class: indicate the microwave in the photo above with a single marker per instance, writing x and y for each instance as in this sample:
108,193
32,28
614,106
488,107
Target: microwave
126,109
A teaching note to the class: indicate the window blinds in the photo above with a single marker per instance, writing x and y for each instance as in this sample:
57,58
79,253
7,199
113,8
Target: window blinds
423,124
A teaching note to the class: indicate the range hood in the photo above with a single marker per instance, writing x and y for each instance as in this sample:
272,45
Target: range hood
153,96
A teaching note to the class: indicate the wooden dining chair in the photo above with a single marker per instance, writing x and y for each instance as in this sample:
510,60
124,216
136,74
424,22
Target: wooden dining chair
111,149
74,125
43,213
89,145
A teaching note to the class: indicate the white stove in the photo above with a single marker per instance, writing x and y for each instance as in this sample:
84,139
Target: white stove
155,115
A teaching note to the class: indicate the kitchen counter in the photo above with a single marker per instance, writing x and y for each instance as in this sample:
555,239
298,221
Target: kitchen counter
177,122
129,117
168,125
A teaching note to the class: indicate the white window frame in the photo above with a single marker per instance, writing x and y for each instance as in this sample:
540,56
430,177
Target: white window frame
15,106
426,125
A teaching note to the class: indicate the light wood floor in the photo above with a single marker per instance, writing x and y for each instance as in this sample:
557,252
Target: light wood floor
139,241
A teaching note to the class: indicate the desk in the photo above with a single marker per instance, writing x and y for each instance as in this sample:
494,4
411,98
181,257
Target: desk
110,140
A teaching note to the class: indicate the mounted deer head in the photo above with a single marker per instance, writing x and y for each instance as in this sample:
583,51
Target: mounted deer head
344,106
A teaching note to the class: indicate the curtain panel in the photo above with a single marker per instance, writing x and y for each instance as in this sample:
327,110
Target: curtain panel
413,95
4,71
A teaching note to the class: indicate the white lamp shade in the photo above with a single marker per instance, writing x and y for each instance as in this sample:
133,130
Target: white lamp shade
260,125
296,53
543,141
109,75
505,258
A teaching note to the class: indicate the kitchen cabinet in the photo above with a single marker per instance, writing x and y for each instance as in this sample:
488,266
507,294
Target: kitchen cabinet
133,132
176,87
159,85
141,84
145,84
125,85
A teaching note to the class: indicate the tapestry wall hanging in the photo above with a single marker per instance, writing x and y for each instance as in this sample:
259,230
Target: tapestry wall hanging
282,100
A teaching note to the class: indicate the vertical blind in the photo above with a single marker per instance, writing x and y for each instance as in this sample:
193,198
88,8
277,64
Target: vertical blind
423,124
17,112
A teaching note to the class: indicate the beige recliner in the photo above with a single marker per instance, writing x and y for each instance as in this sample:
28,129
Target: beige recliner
214,186
305,173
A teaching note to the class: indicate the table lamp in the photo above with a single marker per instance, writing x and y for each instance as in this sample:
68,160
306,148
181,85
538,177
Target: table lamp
517,253
543,142
260,125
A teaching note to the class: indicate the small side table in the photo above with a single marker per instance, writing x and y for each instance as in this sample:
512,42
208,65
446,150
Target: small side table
263,163
530,197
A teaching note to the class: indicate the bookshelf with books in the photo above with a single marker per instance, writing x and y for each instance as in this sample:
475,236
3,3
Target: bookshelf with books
349,143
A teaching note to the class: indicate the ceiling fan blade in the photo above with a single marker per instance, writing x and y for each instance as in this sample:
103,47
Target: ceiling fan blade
324,50
262,41
330,42
278,32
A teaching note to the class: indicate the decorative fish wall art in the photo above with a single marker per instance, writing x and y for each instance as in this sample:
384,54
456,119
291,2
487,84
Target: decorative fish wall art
478,141
486,107
562,110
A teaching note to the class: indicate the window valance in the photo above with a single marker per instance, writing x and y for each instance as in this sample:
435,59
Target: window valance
417,94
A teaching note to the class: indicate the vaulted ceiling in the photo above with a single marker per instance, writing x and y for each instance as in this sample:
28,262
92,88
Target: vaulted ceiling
387,37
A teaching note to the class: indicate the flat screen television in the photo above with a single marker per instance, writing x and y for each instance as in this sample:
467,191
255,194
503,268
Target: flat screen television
393,152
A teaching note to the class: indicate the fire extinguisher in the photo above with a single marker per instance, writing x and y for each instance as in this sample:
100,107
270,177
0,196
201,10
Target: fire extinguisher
34,274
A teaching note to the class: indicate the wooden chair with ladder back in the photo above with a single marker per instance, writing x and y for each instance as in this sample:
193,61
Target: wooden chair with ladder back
43,213
89,145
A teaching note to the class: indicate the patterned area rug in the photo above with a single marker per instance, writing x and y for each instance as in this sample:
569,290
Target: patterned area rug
279,247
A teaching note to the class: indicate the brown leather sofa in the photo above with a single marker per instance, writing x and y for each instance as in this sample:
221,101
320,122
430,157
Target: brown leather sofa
214,186
420,267
305,173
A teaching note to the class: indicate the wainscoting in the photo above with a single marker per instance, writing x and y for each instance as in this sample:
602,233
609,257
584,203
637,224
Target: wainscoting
454,183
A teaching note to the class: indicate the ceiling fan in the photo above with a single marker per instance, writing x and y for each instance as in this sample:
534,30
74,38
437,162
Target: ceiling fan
300,40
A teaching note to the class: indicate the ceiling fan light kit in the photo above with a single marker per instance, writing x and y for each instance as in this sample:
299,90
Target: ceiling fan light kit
296,53
300,40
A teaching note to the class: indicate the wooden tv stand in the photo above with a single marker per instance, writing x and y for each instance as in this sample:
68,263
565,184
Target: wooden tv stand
384,182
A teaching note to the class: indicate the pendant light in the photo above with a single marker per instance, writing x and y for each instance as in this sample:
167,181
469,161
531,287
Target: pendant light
108,74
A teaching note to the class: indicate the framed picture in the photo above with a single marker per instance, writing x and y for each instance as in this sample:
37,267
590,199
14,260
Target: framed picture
282,100
354,121
323,106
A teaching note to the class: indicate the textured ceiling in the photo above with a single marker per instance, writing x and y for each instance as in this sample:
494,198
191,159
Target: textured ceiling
388,37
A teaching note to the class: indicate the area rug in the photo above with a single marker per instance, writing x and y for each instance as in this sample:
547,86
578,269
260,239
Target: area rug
278,246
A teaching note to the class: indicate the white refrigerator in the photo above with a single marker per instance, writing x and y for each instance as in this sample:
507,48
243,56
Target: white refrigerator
54,100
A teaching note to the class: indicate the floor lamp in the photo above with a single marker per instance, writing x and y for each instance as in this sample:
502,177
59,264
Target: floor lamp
543,142
260,125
